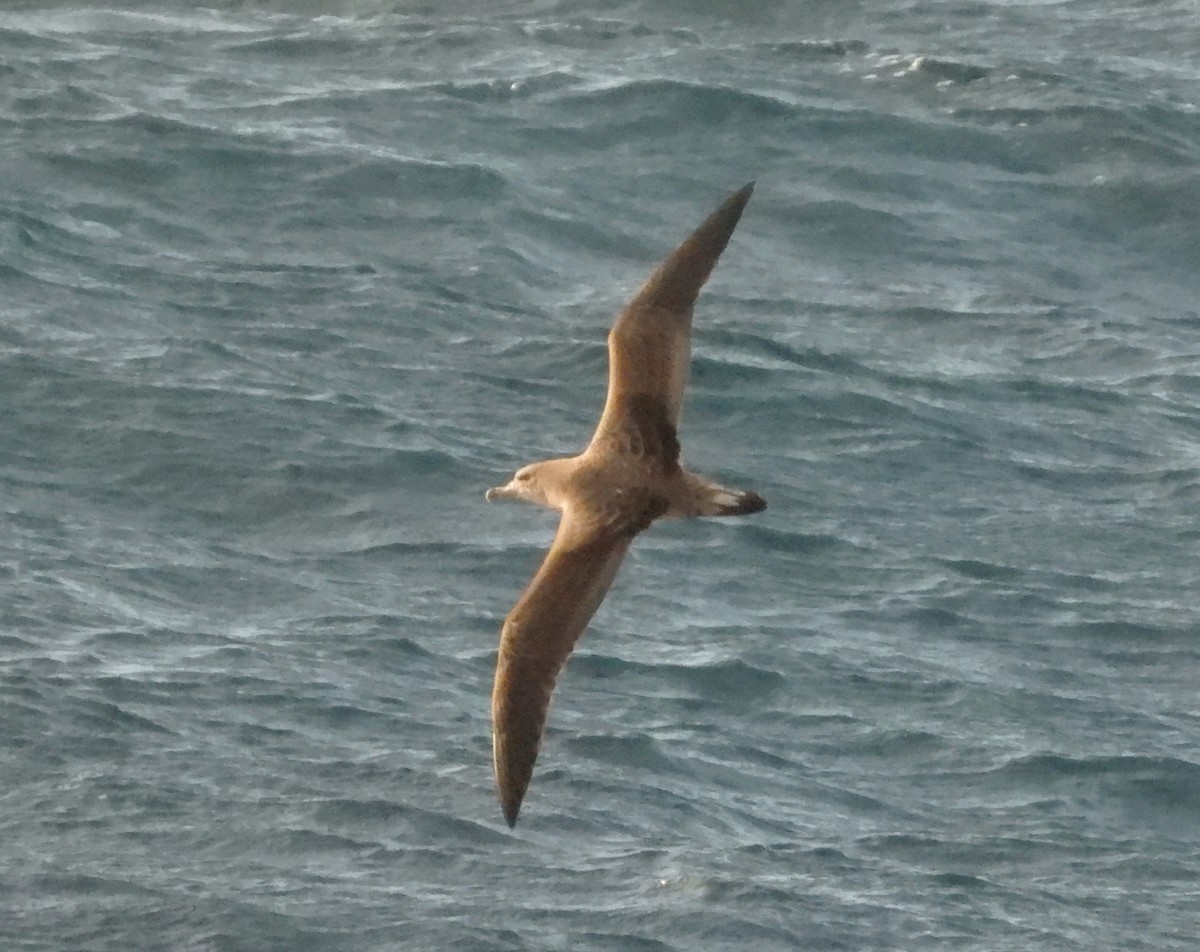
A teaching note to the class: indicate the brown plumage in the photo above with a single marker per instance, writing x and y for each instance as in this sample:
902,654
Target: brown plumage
628,476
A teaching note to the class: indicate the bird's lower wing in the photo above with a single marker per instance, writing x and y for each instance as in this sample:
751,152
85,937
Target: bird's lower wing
540,633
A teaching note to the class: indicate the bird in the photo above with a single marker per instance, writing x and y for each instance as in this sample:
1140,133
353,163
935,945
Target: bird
628,476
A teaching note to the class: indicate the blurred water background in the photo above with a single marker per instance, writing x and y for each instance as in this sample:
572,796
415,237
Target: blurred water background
285,286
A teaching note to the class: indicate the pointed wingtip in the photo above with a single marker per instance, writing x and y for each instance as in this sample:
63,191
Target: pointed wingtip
737,200
510,803
510,798
676,282
513,766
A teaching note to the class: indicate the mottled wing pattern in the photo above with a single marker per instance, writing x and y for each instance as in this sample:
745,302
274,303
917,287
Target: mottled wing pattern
542,629
649,347
640,426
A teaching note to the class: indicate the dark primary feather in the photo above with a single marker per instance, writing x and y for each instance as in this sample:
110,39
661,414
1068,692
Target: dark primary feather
675,284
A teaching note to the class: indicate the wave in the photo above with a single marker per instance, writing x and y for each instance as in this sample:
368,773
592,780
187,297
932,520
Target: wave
733,682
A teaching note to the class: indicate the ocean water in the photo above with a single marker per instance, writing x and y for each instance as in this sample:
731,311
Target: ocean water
284,287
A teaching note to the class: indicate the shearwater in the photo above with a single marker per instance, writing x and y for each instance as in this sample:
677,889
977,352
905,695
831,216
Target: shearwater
627,476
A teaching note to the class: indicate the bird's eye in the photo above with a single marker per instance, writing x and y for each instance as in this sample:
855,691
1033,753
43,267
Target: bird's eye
522,477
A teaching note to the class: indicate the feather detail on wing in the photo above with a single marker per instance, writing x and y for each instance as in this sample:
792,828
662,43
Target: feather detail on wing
649,347
541,631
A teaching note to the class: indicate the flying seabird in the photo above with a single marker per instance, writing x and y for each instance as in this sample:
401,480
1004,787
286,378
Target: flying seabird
627,476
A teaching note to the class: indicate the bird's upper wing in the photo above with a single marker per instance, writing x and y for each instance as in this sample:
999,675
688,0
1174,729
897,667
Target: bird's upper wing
542,628
649,347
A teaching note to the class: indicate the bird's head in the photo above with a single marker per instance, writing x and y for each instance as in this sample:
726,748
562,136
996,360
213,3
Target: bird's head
527,484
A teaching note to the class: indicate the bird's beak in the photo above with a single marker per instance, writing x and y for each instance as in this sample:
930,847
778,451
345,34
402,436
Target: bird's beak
501,492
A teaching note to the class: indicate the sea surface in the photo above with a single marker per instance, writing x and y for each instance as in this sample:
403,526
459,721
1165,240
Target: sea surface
285,286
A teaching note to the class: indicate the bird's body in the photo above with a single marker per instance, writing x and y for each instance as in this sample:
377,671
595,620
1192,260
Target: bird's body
628,476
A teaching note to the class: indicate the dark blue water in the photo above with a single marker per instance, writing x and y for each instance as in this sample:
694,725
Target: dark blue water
286,286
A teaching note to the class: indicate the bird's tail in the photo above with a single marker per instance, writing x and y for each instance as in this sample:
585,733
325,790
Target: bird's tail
705,498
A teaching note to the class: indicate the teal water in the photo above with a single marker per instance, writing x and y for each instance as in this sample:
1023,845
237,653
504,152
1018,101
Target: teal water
287,286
